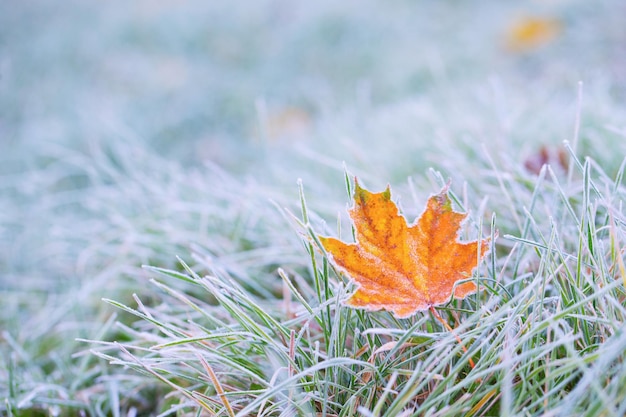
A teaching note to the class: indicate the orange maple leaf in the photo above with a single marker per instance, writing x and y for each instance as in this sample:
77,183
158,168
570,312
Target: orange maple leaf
405,268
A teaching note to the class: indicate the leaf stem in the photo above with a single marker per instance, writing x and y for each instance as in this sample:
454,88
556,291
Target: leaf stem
451,330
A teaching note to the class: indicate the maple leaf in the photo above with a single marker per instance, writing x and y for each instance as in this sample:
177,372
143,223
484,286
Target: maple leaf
405,268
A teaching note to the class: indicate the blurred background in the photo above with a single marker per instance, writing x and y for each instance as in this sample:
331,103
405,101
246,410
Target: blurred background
131,130
197,80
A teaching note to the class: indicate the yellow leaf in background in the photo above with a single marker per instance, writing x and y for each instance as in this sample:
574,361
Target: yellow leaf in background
530,33
287,123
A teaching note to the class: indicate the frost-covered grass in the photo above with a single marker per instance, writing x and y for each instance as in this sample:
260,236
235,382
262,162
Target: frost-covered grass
545,331
150,158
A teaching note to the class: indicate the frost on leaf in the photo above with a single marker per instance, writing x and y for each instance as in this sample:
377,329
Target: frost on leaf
400,267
